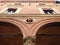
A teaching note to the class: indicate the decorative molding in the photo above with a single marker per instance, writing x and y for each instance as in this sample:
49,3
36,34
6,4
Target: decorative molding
29,41
29,20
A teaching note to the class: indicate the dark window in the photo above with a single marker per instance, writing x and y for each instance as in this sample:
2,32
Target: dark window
11,10
58,2
48,11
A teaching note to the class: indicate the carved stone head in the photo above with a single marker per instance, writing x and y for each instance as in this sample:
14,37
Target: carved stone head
29,41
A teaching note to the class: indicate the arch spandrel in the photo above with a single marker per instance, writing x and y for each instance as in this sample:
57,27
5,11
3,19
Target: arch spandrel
40,23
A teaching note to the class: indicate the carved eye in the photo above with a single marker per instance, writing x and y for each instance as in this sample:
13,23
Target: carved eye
29,20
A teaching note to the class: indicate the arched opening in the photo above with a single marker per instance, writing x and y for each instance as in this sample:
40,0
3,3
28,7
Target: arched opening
48,34
10,34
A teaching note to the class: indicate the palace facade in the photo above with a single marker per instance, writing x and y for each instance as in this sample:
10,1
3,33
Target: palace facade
29,22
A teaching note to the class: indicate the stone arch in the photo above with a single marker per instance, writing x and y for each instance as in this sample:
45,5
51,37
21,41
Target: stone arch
18,23
48,34
4,24
52,24
40,23
10,34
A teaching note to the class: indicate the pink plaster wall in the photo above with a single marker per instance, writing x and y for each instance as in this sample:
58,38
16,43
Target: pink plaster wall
27,0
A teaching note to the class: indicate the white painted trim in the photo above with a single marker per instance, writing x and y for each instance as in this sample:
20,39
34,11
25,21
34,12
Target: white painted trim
2,11
18,11
41,10
57,11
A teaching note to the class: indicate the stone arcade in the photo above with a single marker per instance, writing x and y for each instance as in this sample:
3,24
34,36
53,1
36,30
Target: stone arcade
29,22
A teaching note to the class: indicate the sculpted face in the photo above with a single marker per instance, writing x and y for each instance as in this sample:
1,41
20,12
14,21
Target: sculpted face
29,41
